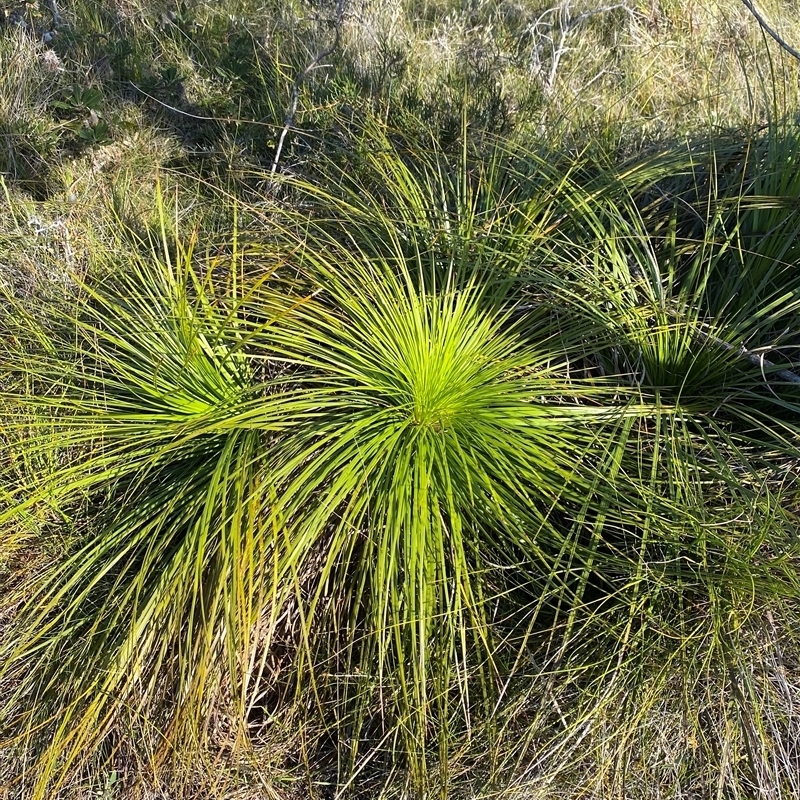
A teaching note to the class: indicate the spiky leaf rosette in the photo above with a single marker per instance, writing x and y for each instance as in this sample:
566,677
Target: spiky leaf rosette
149,608
442,453
460,440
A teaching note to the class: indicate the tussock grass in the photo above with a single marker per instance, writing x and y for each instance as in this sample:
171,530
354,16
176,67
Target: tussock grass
467,458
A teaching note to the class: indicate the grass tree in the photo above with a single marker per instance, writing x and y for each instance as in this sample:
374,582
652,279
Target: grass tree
450,445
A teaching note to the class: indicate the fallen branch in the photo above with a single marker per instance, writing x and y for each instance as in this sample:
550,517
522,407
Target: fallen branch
768,30
757,359
298,83
566,24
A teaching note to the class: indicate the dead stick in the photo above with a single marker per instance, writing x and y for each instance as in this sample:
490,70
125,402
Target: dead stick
298,83
768,30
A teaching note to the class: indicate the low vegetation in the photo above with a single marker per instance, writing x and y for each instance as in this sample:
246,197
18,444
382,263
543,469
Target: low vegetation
399,400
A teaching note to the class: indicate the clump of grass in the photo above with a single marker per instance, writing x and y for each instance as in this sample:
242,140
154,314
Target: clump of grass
352,453
464,469
30,80
468,458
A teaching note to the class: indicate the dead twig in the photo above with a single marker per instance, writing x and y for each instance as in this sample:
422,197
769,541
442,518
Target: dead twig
565,24
756,359
770,31
298,83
